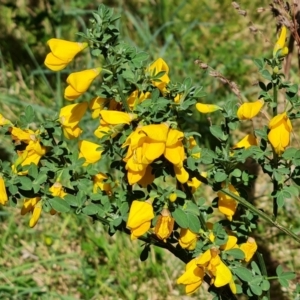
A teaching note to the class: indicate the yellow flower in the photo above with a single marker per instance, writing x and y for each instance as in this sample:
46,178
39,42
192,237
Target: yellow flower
158,66
112,122
231,241
32,154
69,118
280,49
173,197
174,151
113,117
139,219
194,183
96,105
34,206
249,110
187,239
192,144
192,278
62,52
226,204
207,108
57,190
181,174
136,98
18,134
249,248
164,225
146,144
248,141
3,194
98,181
147,178
214,266
280,131
79,82
177,98
90,151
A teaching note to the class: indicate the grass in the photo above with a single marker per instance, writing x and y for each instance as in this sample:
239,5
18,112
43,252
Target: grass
69,258
66,257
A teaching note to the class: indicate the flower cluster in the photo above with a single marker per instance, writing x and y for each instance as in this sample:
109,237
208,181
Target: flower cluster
125,157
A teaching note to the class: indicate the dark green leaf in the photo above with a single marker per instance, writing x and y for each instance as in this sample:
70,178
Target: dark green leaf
236,253
91,209
220,176
181,218
59,205
194,223
243,273
218,132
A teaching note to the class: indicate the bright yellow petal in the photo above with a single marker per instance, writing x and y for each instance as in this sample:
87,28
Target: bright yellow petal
70,115
156,132
207,108
248,141
65,50
113,117
204,258
90,151
35,215
71,94
81,81
54,63
249,248
223,275
181,174
280,44
3,194
139,213
249,110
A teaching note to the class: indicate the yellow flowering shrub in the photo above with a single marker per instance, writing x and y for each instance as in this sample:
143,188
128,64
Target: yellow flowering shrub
125,157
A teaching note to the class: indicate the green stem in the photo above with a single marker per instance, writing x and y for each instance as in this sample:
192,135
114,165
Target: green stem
261,214
275,156
263,269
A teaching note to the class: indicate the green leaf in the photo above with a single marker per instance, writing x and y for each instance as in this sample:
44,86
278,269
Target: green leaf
288,275
207,156
236,253
124,209
220,176
256,289
145,253
91,209
59,205
218,132
266,74
243,273
139,58
72,200
181,218
236,173
191,207
265,285
194,223
293,89
279,270
26,183
283,282
259,63
255,267
29,114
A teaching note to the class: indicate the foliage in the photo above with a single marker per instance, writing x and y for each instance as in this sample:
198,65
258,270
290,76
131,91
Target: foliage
139,171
